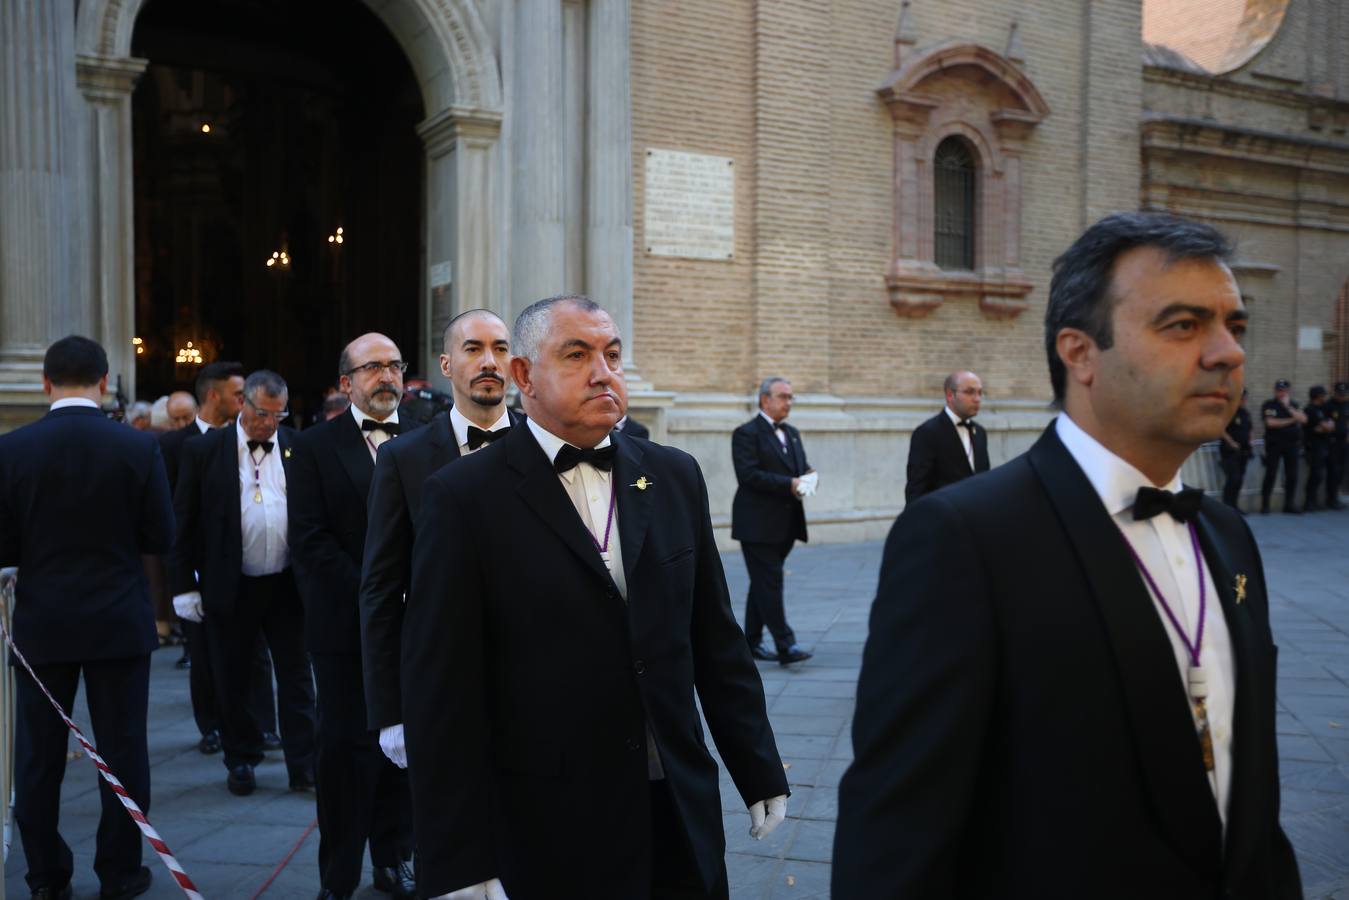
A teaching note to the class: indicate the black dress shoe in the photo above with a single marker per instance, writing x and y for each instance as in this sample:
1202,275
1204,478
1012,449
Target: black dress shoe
53,893
326,894
301,781
271,742
759,651
139,884
397,880
241,781
793,654
209,743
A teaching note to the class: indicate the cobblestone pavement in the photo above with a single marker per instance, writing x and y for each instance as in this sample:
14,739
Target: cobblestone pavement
230,845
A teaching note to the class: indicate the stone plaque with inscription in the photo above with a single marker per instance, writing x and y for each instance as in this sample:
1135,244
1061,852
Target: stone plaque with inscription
690,205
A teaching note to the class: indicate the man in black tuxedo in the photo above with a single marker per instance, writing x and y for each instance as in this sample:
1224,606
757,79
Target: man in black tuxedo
361,795
81,499
633,428
767,516
476,359
1040,713
219,390
949,446
567,601
230,568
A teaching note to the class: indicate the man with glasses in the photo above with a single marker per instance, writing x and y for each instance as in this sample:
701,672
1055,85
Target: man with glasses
767,516
950,446
361,794
230,569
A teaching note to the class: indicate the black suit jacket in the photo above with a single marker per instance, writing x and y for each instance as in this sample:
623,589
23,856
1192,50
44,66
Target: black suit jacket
208,553
332,471
395,497
81,499
633,428
528,682
765,511
937,457
1021,731
171,445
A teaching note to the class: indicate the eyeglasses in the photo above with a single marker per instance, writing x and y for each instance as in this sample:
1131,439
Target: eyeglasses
267,413
374,368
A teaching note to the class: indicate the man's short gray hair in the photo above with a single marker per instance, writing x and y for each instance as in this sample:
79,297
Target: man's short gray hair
532,325
267,381
766,386
138,410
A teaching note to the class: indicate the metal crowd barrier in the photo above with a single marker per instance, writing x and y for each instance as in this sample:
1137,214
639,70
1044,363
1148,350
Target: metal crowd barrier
7,578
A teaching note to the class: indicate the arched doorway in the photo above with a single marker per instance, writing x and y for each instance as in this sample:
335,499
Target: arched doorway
277,179
460,251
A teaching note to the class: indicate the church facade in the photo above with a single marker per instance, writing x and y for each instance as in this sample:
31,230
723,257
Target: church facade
858,195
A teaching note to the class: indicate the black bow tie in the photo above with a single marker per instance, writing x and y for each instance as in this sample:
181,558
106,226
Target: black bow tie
1183,506
477,437
570,457
968,423
265,445
389,428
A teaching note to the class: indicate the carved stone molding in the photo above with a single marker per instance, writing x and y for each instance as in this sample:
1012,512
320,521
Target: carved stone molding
973,92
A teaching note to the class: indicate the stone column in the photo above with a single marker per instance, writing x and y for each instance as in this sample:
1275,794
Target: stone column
609,167
107,84
38,251
538,239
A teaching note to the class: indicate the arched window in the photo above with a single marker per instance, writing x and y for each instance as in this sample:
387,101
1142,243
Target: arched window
953,195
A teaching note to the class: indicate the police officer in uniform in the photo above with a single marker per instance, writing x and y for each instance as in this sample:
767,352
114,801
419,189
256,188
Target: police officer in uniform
1316,436
1235,452
1338,410
1283,432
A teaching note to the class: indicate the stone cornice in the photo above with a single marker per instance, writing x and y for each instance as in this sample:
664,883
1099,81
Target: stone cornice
1205,137
1281,96
440,131
108,77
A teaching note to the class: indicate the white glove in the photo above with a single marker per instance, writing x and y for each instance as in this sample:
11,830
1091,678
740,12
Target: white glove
188,606
807,483
761,825
391,742
488,890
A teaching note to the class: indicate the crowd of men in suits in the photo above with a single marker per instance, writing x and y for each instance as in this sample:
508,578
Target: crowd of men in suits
492,636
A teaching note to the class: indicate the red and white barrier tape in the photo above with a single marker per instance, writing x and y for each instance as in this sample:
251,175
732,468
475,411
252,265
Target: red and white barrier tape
179,876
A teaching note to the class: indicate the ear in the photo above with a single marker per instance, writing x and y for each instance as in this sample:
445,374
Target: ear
445,364
103,385
1079,355
521,375
344,383
47,386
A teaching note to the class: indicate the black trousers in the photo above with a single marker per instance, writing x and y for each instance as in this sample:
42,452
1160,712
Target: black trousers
1274,455
764,605
1335,466
674,872
1316,452
201,683
269,605
361,795
118,694
1234,468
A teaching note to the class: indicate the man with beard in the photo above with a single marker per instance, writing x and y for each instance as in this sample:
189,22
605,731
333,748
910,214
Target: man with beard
567,601
950,446
1068,683
361,795
476,359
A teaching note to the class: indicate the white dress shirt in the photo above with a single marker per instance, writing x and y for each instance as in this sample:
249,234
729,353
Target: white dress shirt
202,425
73,401
1165,547
263,523
460,426
966,439
777,430
375,437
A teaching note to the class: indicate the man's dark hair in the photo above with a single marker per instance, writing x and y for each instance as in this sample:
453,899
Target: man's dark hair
466,314
75,361
267,381
1080,291
213,373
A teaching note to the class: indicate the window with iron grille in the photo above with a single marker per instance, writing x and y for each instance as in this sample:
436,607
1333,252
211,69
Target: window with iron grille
954,181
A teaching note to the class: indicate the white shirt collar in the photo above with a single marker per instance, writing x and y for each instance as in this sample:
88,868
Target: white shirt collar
1116,482
202,425
460,424
68,402
950,414
769,419
552,445
360,417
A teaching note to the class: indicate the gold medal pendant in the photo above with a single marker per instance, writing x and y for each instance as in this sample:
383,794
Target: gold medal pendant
257,496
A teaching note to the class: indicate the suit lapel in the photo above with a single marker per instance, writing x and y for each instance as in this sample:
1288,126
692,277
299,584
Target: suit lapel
542,491
444,448
354,454
980,443
634,505
954,445
283,444
1163,729
227,475
768,438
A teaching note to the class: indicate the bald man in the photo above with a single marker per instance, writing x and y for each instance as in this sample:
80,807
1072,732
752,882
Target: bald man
182,408
361,794
949,446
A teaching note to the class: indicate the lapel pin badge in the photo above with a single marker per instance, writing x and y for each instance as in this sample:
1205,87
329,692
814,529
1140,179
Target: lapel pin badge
286,453
1241,588
642,483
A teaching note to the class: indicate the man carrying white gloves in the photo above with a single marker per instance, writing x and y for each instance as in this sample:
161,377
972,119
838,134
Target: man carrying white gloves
568,612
